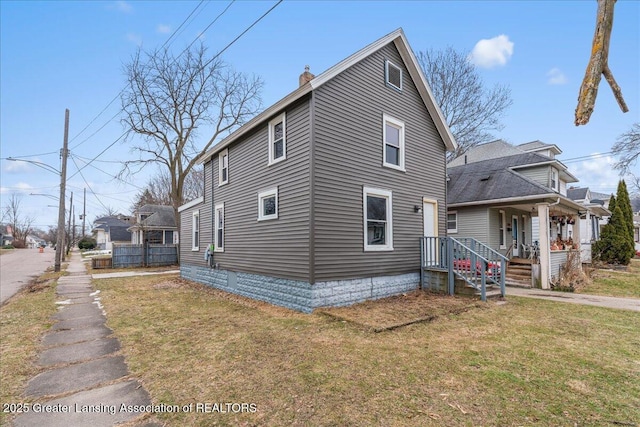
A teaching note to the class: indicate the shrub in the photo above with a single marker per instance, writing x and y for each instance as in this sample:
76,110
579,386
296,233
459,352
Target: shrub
87,243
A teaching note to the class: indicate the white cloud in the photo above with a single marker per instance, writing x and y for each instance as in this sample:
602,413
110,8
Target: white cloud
16,167
488,53
134,38
556,77
596,173
123,6
163,29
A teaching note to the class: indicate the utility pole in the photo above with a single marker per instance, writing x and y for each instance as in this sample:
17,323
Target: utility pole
73,241
84,210
70,242
63,181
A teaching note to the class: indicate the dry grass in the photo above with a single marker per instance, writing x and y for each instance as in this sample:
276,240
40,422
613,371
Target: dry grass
523,362
23,320
622,282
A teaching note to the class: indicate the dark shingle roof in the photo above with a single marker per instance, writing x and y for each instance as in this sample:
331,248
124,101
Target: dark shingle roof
492,180
119,233
160,216
577,193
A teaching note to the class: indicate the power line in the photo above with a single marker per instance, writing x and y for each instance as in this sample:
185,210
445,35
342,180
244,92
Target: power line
201,68
123,89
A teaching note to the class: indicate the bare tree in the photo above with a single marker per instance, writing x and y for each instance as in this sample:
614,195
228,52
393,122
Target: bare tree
158,188
627,149
21,225
598,66
169,99
471,111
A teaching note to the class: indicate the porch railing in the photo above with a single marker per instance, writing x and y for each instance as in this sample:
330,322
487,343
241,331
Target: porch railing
464,258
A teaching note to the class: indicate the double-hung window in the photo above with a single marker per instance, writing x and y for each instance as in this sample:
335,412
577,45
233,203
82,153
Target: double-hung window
554,180
393,75
277,139
392,143
378,224
268,204
452,221
219,228
223,167
195,231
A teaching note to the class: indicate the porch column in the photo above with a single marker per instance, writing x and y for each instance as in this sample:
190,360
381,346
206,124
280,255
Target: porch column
545,248
576,232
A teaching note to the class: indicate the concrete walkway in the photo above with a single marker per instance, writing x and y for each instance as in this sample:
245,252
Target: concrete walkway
84,381
571,297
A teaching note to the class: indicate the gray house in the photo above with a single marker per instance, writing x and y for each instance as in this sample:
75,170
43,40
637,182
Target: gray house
514,199
154,224
321,200
111,229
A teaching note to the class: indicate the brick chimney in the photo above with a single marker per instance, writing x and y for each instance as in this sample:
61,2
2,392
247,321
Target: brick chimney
305,77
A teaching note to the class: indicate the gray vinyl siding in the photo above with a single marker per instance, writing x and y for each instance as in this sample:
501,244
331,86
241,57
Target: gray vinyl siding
540,174
278,247
473,222
348,156
187,256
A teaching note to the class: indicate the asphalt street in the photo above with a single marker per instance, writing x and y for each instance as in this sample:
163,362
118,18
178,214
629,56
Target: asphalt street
20,266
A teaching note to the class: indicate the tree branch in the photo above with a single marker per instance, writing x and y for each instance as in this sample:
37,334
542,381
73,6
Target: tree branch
598,65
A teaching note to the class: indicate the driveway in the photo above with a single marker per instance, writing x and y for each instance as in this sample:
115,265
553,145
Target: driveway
19,267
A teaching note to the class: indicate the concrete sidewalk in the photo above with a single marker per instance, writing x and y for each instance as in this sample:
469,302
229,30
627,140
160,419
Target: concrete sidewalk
571,297
84,381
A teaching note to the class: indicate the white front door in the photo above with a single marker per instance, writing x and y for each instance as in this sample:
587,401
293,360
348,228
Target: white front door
430,228
515,235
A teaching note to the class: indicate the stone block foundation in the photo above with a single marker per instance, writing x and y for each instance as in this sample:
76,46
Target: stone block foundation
300,295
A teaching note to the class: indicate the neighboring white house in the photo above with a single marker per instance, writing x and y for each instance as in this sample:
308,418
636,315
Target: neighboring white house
590,219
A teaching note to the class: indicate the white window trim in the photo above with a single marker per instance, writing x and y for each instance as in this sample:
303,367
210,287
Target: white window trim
221,155
216,246
281,118
555,187
399,124
388,63
195,221
263,195
503,220
368,191
452,230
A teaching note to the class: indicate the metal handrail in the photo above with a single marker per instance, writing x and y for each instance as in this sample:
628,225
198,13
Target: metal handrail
465,258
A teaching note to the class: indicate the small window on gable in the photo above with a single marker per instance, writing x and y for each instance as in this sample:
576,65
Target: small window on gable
452,222
268,204
223,167
393,75
277,139
393,143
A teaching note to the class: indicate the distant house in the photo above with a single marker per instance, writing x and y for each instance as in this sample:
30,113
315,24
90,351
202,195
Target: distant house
34,242
6,236
590,218
514,199
321,200
154,224
108,230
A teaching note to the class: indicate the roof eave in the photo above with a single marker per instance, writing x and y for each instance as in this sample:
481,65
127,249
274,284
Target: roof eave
543,198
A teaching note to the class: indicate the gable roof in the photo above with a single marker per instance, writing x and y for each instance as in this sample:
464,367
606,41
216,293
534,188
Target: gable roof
415,71
538,146
486,151
496,180
578,193
159,216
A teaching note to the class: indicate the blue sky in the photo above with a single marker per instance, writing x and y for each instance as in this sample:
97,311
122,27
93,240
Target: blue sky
57,55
